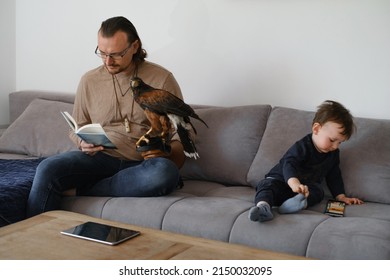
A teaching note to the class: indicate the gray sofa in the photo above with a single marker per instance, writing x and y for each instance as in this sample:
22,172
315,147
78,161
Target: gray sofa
241,144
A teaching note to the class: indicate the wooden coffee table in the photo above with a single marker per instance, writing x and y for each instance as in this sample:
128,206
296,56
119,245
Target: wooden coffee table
39,238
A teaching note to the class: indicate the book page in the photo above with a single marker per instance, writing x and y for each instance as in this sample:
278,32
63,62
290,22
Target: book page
90,133
70,120
97,139
94,128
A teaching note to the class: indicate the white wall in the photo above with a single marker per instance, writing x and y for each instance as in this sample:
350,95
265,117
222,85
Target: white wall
294,53
8,56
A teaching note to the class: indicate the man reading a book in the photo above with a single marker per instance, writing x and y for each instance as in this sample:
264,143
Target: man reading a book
104,96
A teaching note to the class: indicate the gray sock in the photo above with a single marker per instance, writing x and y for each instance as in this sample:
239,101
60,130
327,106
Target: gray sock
261,212
294,204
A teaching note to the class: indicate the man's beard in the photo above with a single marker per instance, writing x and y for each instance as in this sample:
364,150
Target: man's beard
116,68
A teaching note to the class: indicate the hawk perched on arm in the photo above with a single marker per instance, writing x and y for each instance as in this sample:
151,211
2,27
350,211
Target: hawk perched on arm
163,109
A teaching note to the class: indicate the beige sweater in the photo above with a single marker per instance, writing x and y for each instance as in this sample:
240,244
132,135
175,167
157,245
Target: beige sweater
97,102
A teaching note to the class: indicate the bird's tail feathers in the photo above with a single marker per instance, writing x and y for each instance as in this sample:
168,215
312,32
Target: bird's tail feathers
189,125
199,119
188,144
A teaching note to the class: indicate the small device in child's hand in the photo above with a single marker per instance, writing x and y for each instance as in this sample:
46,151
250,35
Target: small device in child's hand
335,208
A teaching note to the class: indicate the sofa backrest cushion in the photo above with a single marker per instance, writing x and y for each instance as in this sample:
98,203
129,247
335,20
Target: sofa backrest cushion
364,159
39,131
285,126
19,100
228,147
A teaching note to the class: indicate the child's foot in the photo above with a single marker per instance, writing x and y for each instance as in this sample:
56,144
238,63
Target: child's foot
294,204
262,212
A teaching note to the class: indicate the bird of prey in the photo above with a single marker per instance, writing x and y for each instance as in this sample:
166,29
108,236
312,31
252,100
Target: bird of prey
163,109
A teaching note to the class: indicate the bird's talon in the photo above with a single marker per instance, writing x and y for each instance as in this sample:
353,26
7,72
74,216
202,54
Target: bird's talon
143,138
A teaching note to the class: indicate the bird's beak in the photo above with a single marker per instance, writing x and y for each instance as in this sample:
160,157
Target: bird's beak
133,83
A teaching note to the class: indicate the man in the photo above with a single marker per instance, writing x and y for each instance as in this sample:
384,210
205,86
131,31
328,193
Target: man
104,96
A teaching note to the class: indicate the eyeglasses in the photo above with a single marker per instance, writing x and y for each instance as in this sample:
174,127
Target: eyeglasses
115,56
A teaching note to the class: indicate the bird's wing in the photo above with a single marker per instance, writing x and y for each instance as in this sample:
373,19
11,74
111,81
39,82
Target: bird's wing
164,102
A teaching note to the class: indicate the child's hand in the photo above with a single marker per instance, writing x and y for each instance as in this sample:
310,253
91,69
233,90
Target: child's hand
303,189
297,187
349,200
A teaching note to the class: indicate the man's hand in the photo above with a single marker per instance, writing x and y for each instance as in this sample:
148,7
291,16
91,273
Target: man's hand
153,154
174,152
156,147
89,149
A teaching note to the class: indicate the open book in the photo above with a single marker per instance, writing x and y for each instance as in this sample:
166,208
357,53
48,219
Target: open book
90,133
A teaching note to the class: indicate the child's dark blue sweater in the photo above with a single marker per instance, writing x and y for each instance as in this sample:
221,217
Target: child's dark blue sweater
305,162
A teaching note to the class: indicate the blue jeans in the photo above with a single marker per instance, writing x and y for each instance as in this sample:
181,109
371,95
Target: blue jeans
98,175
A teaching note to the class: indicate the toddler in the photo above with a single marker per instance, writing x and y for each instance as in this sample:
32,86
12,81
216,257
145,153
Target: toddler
295,182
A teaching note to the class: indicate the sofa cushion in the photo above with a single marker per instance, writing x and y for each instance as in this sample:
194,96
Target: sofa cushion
207,217
228,146
39,131
350,238
365,161
19,100
285,126
285,233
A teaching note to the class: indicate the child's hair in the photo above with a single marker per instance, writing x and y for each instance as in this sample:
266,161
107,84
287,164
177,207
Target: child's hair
335,112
